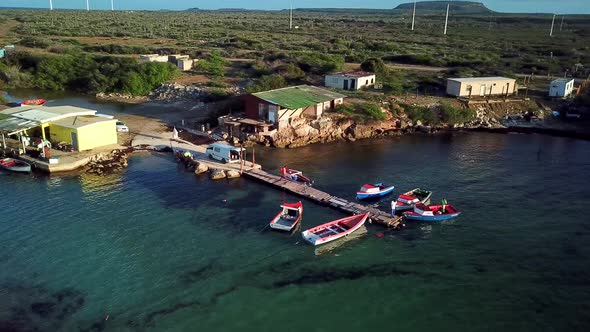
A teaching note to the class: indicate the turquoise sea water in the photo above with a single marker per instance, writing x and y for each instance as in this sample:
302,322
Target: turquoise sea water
159,249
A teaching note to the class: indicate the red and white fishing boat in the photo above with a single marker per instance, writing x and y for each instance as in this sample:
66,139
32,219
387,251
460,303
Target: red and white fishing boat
33,102
334,230
407,200
288,218
295,175
423,212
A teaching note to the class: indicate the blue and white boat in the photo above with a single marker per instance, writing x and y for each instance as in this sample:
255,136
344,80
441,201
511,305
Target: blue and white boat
432,212
374,190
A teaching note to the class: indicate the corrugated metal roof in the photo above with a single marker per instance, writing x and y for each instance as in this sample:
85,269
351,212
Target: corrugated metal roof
15,119
296,97
80,121
9,125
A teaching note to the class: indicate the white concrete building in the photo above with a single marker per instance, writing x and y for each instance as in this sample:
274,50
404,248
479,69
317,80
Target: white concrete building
185,64
562,87
481,86
350,81
153,58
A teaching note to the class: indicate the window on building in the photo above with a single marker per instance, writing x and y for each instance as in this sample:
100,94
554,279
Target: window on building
372,80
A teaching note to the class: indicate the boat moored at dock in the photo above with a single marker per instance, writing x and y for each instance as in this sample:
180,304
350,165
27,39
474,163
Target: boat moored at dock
407,200
288,218
432,212
374,190
334,230
295,175
15,165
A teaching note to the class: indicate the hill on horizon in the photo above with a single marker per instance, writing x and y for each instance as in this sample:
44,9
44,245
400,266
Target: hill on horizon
460,7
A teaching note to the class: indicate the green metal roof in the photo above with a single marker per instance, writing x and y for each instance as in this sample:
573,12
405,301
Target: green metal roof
296,97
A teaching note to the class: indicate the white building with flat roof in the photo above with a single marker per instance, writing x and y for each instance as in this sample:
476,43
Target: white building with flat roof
562,87
350,81
481,86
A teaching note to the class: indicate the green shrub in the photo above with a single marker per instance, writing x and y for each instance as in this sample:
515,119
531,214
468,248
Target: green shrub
374,65
268,82
362,111
213,65
421,113
319,63
452,115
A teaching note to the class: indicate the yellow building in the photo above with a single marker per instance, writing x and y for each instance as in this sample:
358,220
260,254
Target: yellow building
80,127
84,132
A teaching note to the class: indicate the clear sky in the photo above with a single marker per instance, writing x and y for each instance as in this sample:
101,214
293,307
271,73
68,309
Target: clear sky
527,6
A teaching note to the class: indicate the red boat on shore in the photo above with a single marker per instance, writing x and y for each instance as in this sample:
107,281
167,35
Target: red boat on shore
295,175
33,102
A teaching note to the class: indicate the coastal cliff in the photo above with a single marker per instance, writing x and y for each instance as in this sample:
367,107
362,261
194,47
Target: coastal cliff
335,126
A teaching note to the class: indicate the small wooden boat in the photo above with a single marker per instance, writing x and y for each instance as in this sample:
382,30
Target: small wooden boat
374,190
432,212
33,102
288,218
15,165
334,230
295,175
408,200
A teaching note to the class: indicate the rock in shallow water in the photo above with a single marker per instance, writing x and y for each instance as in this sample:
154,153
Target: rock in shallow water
201,168
217,174
231,174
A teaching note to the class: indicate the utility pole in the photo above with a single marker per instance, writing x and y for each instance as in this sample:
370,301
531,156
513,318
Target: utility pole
291,15
447,18
552,23
413,15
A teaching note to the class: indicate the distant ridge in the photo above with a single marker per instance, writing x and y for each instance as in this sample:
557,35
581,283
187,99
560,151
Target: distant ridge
458,7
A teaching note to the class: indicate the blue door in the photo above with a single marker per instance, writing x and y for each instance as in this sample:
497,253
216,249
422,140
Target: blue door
75,141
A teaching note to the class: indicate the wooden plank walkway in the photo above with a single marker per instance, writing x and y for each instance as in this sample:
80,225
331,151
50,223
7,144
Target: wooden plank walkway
376,216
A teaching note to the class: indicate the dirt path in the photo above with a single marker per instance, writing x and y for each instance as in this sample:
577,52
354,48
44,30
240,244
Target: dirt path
6,34
401,66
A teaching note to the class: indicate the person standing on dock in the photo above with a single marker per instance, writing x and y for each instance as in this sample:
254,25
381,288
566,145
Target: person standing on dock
393,205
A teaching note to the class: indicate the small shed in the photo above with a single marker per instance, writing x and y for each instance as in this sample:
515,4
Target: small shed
562,87
481,86
175,57
84,132
185,64
281,105
350,81
153,58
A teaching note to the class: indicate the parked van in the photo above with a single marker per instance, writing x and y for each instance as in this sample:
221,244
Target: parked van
224,153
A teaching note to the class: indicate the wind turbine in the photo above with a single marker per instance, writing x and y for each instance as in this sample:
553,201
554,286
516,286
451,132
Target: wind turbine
552,23
561,25
413,15
50,5
87,5
447,18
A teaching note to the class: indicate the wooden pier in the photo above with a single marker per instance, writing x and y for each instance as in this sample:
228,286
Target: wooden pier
376,216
